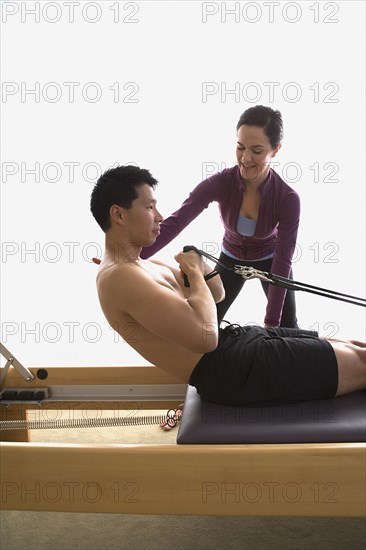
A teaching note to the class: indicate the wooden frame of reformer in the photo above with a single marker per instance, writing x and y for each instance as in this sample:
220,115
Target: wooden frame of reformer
265,480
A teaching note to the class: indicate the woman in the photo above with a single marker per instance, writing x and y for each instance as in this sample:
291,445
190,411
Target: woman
260,213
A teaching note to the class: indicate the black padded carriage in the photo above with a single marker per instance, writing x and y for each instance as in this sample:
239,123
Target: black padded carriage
337,420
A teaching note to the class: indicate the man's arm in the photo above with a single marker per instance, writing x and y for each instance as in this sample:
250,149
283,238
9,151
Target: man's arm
190,323
215,284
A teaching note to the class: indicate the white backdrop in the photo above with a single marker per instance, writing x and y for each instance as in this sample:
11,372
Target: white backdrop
86,85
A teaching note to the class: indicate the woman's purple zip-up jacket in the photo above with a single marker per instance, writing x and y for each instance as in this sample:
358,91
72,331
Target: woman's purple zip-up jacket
275,233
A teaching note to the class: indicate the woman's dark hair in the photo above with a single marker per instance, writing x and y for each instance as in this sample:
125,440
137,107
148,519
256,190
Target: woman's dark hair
117,186
266,118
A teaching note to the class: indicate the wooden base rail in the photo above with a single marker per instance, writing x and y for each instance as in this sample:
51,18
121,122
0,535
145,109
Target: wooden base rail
265,480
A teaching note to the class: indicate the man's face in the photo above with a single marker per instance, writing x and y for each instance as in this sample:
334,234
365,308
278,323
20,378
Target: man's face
142,220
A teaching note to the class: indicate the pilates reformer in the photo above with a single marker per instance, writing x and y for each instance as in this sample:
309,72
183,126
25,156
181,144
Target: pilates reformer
212,471
193,477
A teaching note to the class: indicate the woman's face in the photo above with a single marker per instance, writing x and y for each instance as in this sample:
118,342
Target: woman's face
254,153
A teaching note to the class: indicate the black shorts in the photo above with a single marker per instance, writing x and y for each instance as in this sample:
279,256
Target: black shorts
253,365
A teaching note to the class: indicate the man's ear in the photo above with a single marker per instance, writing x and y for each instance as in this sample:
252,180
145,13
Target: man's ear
116,214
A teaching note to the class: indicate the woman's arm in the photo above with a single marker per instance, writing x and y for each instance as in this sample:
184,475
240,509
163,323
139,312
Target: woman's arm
282,259
202,195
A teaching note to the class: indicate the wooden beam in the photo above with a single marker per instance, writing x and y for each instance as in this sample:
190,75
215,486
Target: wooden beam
266,480
91,376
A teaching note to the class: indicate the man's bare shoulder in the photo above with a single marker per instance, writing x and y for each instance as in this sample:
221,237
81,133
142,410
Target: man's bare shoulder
120,275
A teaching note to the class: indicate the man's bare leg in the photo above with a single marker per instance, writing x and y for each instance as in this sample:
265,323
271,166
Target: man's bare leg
351,359
359,344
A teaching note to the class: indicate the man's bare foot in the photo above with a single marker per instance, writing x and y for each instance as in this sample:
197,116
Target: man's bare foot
173,419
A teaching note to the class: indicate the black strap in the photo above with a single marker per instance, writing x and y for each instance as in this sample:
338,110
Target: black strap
281,281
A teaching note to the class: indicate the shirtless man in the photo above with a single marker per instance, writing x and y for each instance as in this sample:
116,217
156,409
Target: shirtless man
175,327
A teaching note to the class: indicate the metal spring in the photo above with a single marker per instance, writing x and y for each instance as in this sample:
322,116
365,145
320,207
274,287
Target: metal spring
171,418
